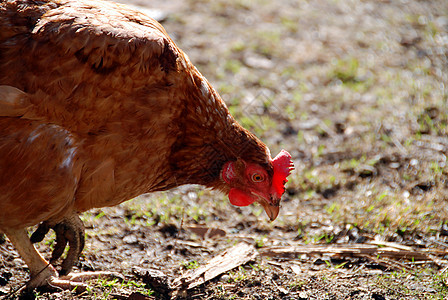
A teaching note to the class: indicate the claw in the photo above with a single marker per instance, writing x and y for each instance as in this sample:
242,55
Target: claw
61,242
74,234
68,231
40,232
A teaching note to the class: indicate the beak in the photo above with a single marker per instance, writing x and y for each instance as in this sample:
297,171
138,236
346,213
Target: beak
271,210
271,206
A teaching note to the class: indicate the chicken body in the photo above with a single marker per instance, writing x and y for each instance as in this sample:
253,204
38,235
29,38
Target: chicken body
97,106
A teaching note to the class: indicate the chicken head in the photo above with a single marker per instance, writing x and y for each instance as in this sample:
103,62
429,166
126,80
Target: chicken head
251,182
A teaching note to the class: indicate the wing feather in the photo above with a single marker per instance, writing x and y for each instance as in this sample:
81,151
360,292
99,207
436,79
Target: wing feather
79,54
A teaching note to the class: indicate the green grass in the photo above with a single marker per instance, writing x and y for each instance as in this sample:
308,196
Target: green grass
104,288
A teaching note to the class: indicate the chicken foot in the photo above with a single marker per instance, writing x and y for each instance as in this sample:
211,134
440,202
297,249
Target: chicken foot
69,231
42,273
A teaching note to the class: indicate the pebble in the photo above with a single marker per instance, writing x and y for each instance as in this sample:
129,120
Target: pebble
303,295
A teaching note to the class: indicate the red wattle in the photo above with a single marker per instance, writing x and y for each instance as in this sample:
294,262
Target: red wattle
239,198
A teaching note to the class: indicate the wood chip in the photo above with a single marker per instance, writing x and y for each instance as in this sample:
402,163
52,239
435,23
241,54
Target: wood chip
206,232
226,261
296,269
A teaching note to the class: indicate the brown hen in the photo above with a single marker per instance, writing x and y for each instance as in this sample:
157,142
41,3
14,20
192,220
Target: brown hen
97,106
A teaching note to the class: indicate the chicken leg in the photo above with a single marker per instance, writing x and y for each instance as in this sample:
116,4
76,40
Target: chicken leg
69,231
42,273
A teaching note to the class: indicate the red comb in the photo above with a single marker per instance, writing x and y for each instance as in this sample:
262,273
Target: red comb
282,168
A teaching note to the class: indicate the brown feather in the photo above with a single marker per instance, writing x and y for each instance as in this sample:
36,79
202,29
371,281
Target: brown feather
139,115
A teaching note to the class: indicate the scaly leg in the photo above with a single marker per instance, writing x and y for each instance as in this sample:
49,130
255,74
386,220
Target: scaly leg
69,231
42,273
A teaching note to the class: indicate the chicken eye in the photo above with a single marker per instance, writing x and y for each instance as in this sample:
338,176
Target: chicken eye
257,177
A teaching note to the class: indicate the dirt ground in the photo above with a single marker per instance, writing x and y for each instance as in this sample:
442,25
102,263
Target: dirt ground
356,91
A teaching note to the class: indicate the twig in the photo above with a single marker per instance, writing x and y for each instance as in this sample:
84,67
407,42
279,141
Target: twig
394,265
392,250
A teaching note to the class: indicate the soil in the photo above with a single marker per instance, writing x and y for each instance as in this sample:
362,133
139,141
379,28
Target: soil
356,91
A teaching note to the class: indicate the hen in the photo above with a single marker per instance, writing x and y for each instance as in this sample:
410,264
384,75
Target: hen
97,106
